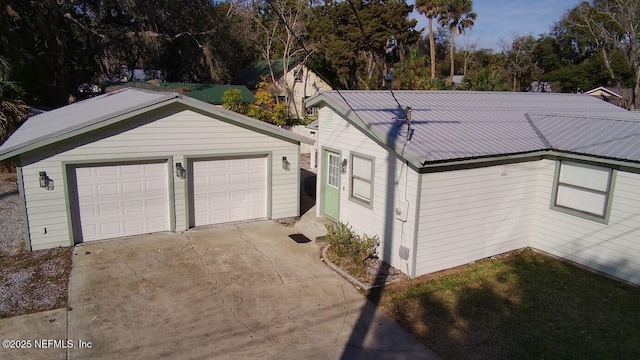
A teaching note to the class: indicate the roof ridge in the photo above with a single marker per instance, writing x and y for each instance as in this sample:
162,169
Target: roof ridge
589,117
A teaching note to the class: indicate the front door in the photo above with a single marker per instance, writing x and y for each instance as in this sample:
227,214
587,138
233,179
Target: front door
331,184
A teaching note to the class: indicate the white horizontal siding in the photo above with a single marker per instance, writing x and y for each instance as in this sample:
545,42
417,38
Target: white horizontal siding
178,135
612,248
391,178
466,215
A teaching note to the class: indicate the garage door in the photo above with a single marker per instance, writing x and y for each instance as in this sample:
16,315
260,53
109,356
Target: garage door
122,200
229,190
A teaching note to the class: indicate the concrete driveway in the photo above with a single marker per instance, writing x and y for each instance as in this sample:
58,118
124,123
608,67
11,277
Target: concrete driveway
244,291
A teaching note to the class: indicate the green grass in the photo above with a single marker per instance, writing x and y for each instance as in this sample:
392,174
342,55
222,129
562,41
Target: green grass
521,306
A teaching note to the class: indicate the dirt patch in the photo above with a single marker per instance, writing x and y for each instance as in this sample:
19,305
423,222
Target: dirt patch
373,272
34,281
30,281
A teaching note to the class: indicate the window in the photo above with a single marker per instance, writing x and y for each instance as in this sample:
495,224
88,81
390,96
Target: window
582,190
361,179
311,111
298,73
334,171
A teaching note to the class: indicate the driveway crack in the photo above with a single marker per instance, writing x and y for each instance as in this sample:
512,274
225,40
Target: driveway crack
137,278
219,294
261,253
346,314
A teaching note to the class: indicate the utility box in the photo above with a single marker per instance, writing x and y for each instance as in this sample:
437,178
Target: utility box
402,210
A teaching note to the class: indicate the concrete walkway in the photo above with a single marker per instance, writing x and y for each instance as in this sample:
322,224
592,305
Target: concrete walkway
245,291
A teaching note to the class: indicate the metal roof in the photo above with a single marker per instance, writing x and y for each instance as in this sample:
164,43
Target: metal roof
84,116
209,93
451,126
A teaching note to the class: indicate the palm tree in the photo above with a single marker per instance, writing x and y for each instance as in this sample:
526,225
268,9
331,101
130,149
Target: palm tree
458,16
430,9
12,110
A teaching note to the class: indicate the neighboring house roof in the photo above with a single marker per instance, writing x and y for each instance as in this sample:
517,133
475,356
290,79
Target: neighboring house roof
604,91
252,75
313,125
456,126
104,110
458,79
621,97
209,93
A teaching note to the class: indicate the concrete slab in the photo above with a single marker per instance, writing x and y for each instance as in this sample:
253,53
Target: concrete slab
239,291
36,331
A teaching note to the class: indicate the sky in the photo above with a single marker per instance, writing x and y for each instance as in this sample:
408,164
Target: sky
501,18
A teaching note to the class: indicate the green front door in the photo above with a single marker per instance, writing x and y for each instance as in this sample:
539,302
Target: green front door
331,184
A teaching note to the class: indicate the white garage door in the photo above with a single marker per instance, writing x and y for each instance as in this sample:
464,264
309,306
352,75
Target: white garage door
122,200
229,190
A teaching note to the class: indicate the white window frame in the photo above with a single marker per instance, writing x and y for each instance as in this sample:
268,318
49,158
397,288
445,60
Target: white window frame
333,171
298,74
353,177
312,110
558,185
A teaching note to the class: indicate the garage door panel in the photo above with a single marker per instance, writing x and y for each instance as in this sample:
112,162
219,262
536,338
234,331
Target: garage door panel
235,190
133,170
109,209
158,223
89,210
83,173
238,196
110,229
218,180
105,171
133,207
134,187
134,225
156,186
85,191
238,179
108,189
255,179
122,200
156,204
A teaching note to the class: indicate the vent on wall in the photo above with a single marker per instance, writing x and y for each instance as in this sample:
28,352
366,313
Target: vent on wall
326,119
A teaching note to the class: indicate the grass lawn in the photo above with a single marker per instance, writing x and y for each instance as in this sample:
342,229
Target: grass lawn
524,305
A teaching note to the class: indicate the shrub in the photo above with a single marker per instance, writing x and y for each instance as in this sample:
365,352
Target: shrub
348,244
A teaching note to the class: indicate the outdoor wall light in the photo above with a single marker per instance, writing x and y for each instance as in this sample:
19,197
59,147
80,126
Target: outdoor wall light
343,169
180,171
45,181
286,165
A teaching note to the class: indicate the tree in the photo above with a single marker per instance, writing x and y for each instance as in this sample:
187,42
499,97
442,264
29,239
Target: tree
486,80
266,108
50,55
413,72
278,31
613,25
519,60
353,38
232,100
457,16
12,110
430,9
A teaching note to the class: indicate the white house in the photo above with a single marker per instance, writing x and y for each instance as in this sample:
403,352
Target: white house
303,84
295,83
449,177
620,97
135,161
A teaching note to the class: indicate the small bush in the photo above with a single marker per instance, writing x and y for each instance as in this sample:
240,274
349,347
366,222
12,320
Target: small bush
346,243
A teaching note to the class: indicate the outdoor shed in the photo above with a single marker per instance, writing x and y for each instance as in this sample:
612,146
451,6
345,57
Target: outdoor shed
449,177
134,162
